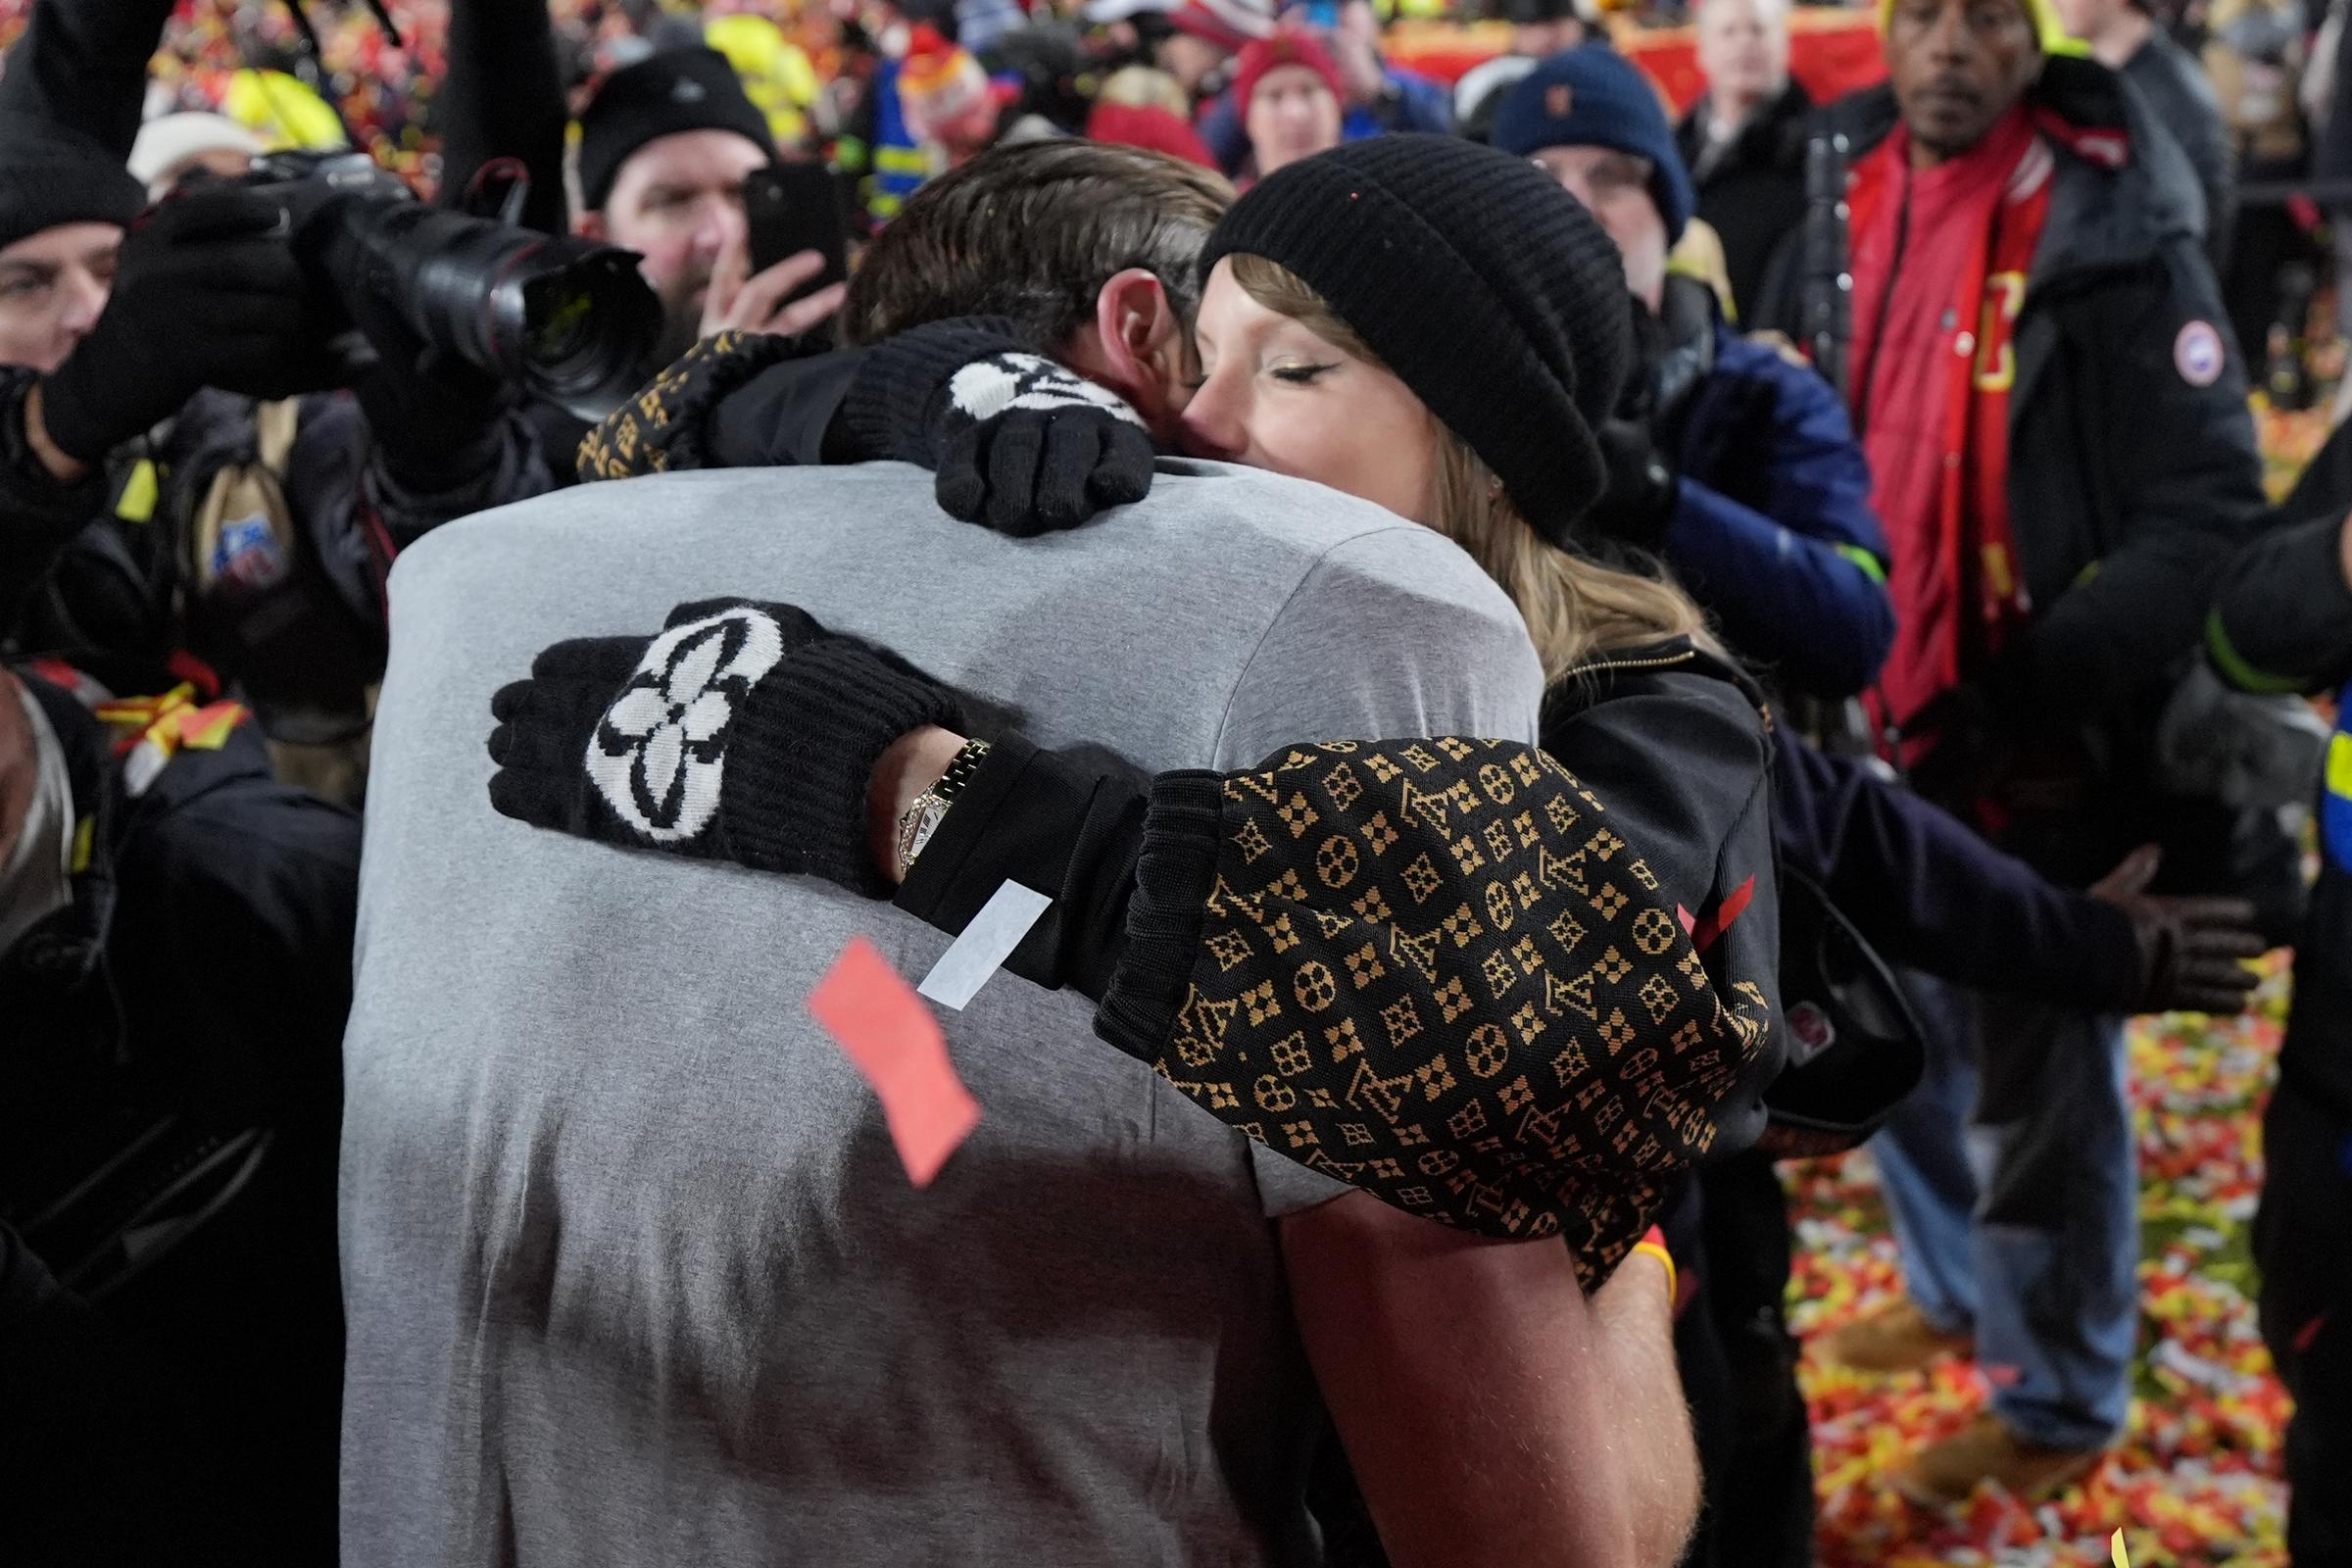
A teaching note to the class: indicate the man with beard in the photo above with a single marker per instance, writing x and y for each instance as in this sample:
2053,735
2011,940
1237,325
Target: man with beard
663,148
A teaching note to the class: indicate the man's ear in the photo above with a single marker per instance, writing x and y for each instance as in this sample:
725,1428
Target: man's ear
1145,354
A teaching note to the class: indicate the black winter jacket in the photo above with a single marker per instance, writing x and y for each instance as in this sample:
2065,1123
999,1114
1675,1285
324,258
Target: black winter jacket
1752,192
2283,622
2132,470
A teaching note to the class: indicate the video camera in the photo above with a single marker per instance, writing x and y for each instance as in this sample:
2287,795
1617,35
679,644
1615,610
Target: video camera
569,320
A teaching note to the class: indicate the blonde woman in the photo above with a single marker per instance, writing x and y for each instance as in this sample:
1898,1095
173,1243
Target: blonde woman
1437,328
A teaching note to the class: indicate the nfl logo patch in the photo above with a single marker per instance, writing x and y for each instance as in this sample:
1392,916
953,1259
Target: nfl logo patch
1558,99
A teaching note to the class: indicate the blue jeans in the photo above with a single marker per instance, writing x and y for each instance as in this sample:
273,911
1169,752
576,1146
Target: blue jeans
2013,1180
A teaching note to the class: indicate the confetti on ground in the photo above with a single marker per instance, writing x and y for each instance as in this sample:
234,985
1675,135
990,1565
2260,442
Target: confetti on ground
2195,1482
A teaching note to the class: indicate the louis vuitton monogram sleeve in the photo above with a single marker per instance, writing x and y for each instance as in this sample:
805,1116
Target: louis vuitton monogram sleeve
1435,970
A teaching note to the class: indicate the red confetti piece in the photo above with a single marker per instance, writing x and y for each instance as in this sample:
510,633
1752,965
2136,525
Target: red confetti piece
895,1042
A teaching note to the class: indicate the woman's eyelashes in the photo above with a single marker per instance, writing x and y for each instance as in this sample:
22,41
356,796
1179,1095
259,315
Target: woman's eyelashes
1303,375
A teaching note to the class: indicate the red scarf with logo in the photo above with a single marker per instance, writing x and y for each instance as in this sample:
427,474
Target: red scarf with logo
1940,257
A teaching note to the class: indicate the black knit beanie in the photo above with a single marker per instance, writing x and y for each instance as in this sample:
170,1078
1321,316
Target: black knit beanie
1490,291
49,175
660,95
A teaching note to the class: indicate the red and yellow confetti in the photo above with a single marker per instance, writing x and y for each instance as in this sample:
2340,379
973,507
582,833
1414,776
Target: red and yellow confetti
2195,1482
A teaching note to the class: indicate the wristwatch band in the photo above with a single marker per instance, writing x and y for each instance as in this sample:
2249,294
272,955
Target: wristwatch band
921,820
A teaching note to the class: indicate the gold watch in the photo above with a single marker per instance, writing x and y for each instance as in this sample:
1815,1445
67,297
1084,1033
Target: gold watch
921,820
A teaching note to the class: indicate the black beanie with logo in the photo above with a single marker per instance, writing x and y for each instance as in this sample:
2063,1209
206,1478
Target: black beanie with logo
1489,290
671,91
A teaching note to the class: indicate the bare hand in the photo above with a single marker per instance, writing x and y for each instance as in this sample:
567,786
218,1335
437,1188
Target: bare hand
760,303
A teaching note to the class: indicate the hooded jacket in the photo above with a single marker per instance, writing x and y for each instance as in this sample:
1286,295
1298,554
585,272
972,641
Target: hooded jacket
1772,528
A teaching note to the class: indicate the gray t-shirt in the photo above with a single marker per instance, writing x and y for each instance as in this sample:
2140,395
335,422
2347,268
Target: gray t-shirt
633,1275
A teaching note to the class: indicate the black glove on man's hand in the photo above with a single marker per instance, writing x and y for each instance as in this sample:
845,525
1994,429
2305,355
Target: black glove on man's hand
2192,951
207,292
1638,503
744,732
437,420
1018,442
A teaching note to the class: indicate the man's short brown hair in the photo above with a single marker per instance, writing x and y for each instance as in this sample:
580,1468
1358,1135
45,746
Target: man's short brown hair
1032,232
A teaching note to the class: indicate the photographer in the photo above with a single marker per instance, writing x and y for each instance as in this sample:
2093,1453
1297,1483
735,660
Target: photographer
663,148
169,479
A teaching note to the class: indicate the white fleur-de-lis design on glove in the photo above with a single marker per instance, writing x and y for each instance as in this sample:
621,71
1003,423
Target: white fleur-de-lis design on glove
986,388
659,755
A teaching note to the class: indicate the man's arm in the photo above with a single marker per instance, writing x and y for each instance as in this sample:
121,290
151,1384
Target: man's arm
83,64
503,98
2282,616
1492,1414
1799,580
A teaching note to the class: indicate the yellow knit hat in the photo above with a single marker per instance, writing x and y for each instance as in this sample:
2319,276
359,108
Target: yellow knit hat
2044,17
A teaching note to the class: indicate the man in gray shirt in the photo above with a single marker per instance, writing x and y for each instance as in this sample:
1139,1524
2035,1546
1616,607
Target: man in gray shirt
632,1273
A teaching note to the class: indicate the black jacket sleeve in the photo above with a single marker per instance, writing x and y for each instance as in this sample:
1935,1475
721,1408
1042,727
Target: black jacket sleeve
83,64
507,467
1930,893
2187,493
503,98
2283,619
1066,824
734,400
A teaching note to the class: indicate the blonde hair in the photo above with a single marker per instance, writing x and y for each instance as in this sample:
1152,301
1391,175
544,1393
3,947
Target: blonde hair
1575,609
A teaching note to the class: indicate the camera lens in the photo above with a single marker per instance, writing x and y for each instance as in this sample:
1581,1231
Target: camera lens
567,319
580,321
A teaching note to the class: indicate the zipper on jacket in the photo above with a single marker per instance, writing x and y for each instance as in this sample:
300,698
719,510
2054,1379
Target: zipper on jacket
1662,661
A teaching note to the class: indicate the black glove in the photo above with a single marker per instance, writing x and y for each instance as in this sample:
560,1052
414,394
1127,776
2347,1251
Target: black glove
1019,443
437,420
2192,951
208,292
1638,502
744,732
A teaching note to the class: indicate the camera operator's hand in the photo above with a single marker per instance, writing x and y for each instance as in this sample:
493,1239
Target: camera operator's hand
749,302
1019,443
744,732
2192,951
1638,502
436,420
208,292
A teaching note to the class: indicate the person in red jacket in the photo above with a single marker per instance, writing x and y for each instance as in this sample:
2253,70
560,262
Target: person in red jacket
2063,462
